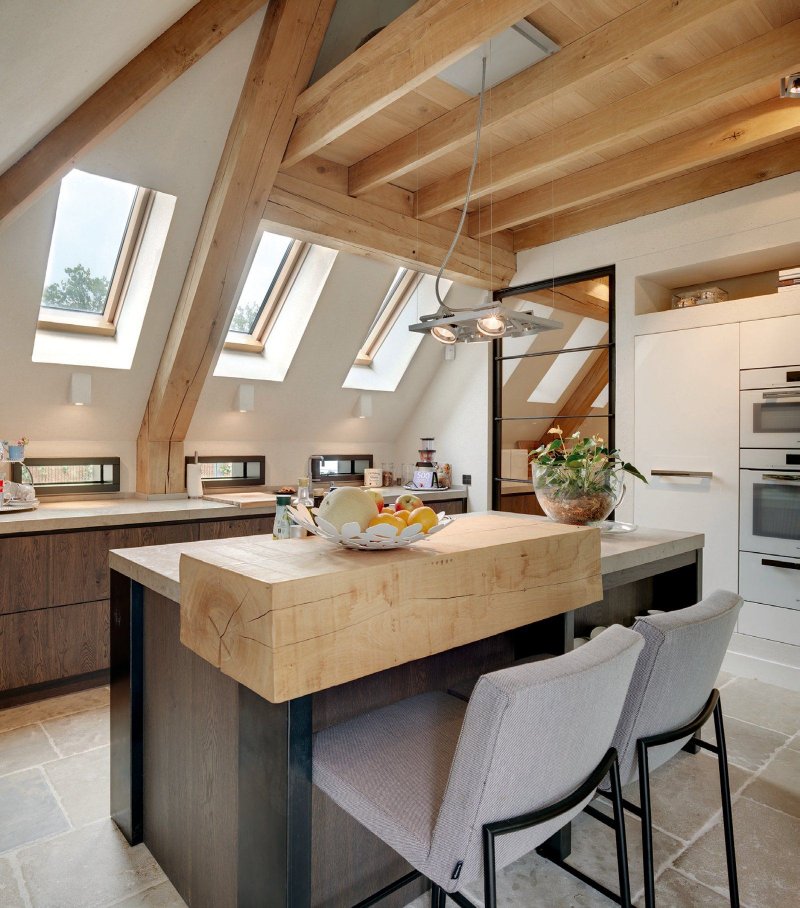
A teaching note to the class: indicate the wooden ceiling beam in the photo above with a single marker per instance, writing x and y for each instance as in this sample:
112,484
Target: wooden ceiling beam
390,67
751,65
281,66
729,137
567,299
125,93
318,214
765,164
624,39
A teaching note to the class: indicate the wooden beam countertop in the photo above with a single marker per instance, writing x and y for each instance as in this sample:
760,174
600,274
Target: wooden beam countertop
291,617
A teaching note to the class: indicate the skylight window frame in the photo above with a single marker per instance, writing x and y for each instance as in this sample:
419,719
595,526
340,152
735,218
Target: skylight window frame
391,307
104,323
274,301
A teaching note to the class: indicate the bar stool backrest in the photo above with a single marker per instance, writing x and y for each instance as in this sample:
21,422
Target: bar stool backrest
675,675
531,735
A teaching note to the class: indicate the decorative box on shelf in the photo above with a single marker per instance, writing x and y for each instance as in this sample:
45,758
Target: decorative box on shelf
698,297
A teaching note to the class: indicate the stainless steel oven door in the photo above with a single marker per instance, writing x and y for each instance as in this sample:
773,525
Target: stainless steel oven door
770,509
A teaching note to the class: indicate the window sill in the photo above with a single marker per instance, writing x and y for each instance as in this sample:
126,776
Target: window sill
78,324
248,345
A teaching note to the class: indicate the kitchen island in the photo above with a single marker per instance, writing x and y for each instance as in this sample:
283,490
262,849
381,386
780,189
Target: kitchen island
211,762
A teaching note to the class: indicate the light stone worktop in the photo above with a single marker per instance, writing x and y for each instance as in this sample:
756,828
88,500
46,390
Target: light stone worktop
157,567
53,516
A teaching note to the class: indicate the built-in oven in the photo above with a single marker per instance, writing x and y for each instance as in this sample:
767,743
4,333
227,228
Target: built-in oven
770,502
770,408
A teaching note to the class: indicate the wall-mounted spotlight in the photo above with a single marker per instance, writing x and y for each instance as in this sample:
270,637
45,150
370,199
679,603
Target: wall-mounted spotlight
363,407
80,389
245,400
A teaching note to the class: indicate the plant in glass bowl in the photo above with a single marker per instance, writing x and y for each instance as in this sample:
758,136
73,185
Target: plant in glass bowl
579,480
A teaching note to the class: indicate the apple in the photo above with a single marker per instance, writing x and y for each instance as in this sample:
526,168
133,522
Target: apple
407,503
377,497
423,517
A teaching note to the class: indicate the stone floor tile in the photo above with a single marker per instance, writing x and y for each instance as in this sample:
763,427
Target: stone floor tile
724,678
794,743
778,785
762,704
17,716
10,896
767,844
24,747
87,868
28,810
82,783
749,746
165,895
673,890
684,793
80,731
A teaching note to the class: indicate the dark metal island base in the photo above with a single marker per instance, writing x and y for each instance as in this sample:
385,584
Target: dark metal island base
216,780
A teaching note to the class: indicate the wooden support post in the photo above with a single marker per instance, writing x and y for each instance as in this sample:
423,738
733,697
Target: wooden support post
282,62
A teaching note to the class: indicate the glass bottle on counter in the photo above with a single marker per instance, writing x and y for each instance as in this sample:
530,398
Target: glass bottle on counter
304,495
281,529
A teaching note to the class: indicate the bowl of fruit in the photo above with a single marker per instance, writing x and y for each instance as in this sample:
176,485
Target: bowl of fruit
359,519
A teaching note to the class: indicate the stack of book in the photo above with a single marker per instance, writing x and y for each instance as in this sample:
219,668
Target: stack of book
788,278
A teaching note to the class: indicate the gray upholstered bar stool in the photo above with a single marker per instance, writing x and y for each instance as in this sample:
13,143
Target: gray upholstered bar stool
672,696
458,788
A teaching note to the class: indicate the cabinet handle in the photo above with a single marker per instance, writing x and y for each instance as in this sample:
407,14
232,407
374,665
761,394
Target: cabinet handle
694,474
771,562
774,395
782,477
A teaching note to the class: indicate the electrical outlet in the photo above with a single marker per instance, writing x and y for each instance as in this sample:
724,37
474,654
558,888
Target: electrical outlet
466,479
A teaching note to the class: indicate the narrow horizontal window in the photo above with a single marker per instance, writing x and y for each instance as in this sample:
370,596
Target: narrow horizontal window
96,238
219,472
272,273
69,475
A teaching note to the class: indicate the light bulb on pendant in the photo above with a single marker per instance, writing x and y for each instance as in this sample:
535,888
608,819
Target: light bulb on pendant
492,325
443,334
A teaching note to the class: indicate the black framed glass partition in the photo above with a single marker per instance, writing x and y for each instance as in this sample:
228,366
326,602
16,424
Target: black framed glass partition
559,378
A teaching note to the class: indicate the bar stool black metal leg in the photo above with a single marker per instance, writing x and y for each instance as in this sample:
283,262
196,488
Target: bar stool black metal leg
437,897
619,832
489,875
647,827
727,813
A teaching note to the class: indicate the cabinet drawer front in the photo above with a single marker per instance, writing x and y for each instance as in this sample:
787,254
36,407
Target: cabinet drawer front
770,342
54,643
24,578
770,623
771,579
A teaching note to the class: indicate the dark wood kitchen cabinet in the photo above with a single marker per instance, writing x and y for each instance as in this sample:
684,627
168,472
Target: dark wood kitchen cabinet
54,590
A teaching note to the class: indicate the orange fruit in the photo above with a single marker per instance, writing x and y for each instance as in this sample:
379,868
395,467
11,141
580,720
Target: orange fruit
425,517
403,515
388,519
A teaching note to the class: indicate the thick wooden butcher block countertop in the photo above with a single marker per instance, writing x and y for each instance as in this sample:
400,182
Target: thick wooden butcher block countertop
286,618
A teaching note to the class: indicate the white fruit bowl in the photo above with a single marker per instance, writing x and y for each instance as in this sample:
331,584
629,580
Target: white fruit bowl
375,538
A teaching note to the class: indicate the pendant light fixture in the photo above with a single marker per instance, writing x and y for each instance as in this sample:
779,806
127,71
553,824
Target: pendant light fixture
449,325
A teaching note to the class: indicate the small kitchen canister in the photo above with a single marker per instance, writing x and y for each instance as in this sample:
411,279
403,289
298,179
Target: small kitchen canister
373,478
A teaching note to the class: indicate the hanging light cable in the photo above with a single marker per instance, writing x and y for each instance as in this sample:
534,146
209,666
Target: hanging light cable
448,324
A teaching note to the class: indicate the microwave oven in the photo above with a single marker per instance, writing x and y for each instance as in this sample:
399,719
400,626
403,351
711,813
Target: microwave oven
770,408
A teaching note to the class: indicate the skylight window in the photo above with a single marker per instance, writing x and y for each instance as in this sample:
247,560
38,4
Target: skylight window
567,364
269,280
97,233
403,285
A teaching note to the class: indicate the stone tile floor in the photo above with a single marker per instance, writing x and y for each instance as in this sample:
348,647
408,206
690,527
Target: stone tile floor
58,849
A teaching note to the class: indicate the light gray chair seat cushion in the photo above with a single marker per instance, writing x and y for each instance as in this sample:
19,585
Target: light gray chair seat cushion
426,774
674,676
389,768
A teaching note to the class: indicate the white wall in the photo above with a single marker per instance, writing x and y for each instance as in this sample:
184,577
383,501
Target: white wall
172,145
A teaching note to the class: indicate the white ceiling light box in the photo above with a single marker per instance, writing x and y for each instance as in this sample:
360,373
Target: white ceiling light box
80,389
245,400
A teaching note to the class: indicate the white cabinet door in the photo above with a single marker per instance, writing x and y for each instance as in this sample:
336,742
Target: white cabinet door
771,342
687,421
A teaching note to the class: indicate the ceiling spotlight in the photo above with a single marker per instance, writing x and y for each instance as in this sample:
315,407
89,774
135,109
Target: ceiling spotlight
444,335
492,325
790,86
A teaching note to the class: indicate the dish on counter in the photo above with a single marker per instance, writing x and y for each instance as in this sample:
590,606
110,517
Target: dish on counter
374,538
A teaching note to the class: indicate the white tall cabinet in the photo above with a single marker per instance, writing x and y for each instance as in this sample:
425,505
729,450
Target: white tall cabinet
687,421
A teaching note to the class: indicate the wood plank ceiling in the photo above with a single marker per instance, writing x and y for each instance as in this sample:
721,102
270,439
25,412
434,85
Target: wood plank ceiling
647,105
